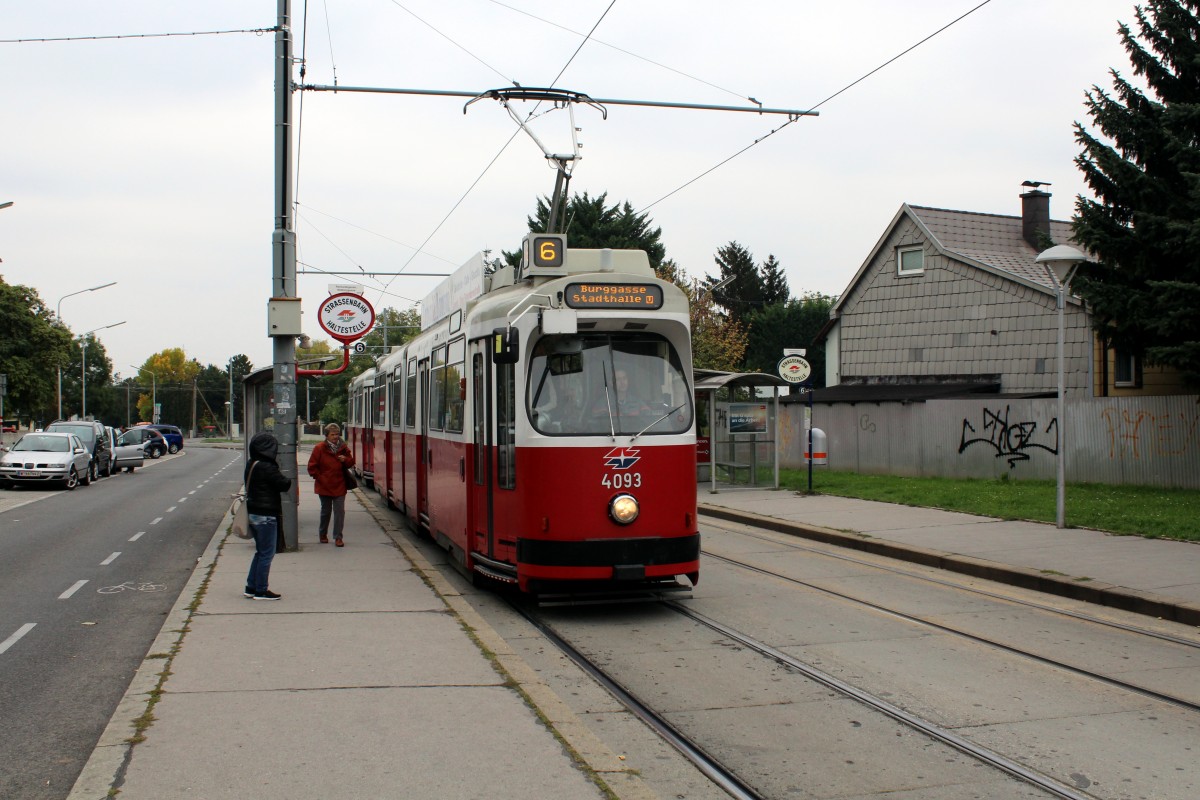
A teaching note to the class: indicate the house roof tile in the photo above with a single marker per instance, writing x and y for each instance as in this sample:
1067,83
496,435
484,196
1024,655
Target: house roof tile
991,240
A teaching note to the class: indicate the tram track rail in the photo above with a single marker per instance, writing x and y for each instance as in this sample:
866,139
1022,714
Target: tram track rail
709,766
936,732
1041,659
751,531
728,780
1047,582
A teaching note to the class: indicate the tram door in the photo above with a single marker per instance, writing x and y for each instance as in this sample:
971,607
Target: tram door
479,476
423,443
368,429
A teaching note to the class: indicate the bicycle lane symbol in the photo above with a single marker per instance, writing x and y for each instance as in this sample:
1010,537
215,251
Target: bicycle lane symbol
132,586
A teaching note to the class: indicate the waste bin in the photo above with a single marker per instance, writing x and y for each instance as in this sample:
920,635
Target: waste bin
820,453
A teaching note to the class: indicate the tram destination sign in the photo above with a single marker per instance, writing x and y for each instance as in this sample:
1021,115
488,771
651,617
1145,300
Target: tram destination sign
630,296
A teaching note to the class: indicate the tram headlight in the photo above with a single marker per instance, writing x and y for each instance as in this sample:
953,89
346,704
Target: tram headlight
624,508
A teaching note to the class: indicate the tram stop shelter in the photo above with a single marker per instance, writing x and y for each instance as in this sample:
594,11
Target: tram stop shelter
259,407
737,429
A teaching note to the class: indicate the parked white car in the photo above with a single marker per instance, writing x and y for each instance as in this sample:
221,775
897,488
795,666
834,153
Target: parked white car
43,458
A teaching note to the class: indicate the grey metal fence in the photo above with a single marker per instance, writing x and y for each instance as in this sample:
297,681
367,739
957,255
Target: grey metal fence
1152,441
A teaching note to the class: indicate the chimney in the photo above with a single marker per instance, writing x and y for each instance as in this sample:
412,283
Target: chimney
1035,215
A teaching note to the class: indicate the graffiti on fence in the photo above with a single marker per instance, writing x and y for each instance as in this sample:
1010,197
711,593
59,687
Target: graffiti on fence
1139,434
1011,440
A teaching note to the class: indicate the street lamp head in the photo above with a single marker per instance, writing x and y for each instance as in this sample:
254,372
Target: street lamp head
1061,260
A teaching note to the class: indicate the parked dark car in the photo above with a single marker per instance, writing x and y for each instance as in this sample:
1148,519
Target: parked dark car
172,434
91,433
154,445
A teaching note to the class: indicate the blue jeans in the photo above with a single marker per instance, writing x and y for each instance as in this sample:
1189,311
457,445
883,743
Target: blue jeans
265,530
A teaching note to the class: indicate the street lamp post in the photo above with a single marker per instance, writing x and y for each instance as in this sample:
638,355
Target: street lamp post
1060,262
229,415
83,368
58,317
153,391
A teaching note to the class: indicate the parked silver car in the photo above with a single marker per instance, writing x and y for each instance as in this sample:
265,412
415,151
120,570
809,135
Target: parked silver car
128,454
42,458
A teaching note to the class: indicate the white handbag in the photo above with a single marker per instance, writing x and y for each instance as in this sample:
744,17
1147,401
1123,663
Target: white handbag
241,517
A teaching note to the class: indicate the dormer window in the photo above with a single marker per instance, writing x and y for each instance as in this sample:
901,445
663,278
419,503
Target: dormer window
910,261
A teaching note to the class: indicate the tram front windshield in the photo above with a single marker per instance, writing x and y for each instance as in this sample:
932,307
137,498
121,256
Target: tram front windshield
606,383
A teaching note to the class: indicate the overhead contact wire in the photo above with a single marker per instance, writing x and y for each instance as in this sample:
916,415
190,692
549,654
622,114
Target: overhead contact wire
626,52
845,88
502,149
259,31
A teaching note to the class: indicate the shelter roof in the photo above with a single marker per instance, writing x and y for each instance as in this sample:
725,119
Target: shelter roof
709,380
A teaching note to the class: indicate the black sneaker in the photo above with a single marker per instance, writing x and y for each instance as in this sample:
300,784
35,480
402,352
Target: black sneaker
247,592
267,595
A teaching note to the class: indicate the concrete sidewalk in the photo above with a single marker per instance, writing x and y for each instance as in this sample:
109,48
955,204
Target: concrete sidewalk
1157,577
371,678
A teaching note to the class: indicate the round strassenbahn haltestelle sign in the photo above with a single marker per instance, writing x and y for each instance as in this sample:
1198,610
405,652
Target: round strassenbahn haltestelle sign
346,317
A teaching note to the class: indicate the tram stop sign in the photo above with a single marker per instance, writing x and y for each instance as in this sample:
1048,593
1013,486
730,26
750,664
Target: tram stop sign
346,317
794,369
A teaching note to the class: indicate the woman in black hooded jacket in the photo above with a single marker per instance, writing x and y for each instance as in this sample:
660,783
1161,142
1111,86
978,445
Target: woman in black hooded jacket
264,505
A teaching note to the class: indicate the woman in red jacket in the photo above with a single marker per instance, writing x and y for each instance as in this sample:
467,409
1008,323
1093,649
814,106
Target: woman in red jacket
325,465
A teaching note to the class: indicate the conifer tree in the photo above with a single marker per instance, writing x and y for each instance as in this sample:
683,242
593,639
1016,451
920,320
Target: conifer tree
743,292
1144,226
589,223
775,285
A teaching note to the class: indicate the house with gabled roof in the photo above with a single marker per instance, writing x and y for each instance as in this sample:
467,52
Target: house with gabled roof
954,302
941,359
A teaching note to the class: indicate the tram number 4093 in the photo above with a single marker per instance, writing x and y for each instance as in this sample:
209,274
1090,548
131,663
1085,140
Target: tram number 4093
621,480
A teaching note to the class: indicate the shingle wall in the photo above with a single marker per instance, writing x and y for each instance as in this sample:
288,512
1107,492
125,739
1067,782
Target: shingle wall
956,320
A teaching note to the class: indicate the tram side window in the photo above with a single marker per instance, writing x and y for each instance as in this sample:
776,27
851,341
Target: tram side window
410,394
437,390
397,397
456,387
479,416
506,426
380,395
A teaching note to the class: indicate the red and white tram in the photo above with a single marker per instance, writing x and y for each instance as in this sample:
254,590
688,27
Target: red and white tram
541,427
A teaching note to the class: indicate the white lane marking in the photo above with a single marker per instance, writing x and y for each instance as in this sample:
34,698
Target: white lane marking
192,492
172,508
181,500
110,559
156,520
21,631
67,594
137,536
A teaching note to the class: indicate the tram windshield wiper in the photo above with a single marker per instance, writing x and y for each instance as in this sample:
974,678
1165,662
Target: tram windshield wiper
612,426
652,424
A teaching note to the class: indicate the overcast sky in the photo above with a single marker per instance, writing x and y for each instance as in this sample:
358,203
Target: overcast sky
149,161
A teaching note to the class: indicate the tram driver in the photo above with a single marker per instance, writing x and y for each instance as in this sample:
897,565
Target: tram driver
629,401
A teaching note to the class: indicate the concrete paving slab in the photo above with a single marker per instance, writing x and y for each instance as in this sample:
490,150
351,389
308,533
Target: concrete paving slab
831,749
351,743
376,578
1159,744
309,651
951,679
